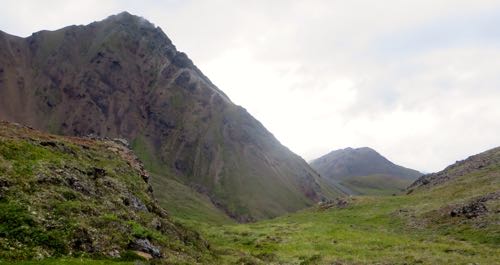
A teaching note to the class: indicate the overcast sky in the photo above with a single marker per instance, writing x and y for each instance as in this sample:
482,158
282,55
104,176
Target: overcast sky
419,81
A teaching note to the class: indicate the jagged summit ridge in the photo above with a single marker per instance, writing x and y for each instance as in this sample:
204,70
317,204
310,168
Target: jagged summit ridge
126,17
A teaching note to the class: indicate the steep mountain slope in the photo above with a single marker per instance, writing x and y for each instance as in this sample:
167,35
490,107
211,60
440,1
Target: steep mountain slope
363,171
123,77
62,196
455,220
484,161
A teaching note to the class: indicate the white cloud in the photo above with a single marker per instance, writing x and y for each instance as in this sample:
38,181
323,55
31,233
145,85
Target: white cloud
416,80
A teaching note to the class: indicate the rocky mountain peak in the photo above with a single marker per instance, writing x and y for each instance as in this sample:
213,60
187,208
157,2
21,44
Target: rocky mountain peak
122,77
125,18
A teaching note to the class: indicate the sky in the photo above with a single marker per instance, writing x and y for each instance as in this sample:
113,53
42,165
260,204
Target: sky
418,81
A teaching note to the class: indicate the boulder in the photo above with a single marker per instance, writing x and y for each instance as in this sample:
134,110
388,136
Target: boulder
143,245
471,210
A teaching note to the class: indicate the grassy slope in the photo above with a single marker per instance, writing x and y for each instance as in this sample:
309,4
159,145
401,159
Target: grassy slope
376,184
41,215
181,201
185,204
407,229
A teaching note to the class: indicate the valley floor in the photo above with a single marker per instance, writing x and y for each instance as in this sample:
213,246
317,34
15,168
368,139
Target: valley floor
369,230
372,230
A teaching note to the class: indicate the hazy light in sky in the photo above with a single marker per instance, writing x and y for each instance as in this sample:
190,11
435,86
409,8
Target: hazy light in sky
418,81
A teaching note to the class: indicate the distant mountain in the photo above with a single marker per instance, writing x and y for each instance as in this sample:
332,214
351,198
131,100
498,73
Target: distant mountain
363,171
123,77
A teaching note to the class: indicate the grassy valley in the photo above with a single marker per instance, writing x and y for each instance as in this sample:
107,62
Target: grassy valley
405,229
376,184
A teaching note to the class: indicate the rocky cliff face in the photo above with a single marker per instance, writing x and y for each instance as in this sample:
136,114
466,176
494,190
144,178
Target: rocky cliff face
363,171
123,77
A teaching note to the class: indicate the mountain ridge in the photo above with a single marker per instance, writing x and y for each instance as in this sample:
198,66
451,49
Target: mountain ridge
122,77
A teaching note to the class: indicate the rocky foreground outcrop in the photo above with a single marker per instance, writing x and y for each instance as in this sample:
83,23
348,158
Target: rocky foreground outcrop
67,196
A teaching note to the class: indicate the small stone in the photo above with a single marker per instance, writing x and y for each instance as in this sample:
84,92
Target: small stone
135,203
115,253
113,149
145,255
121,141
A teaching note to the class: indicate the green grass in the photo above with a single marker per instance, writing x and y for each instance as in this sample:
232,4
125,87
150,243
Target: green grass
180,201
405,229
185,204
69,261
370,231
376,184
147,155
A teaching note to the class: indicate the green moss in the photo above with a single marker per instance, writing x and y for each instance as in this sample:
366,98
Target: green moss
23,151
25,156
139,231
110,217
19,225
